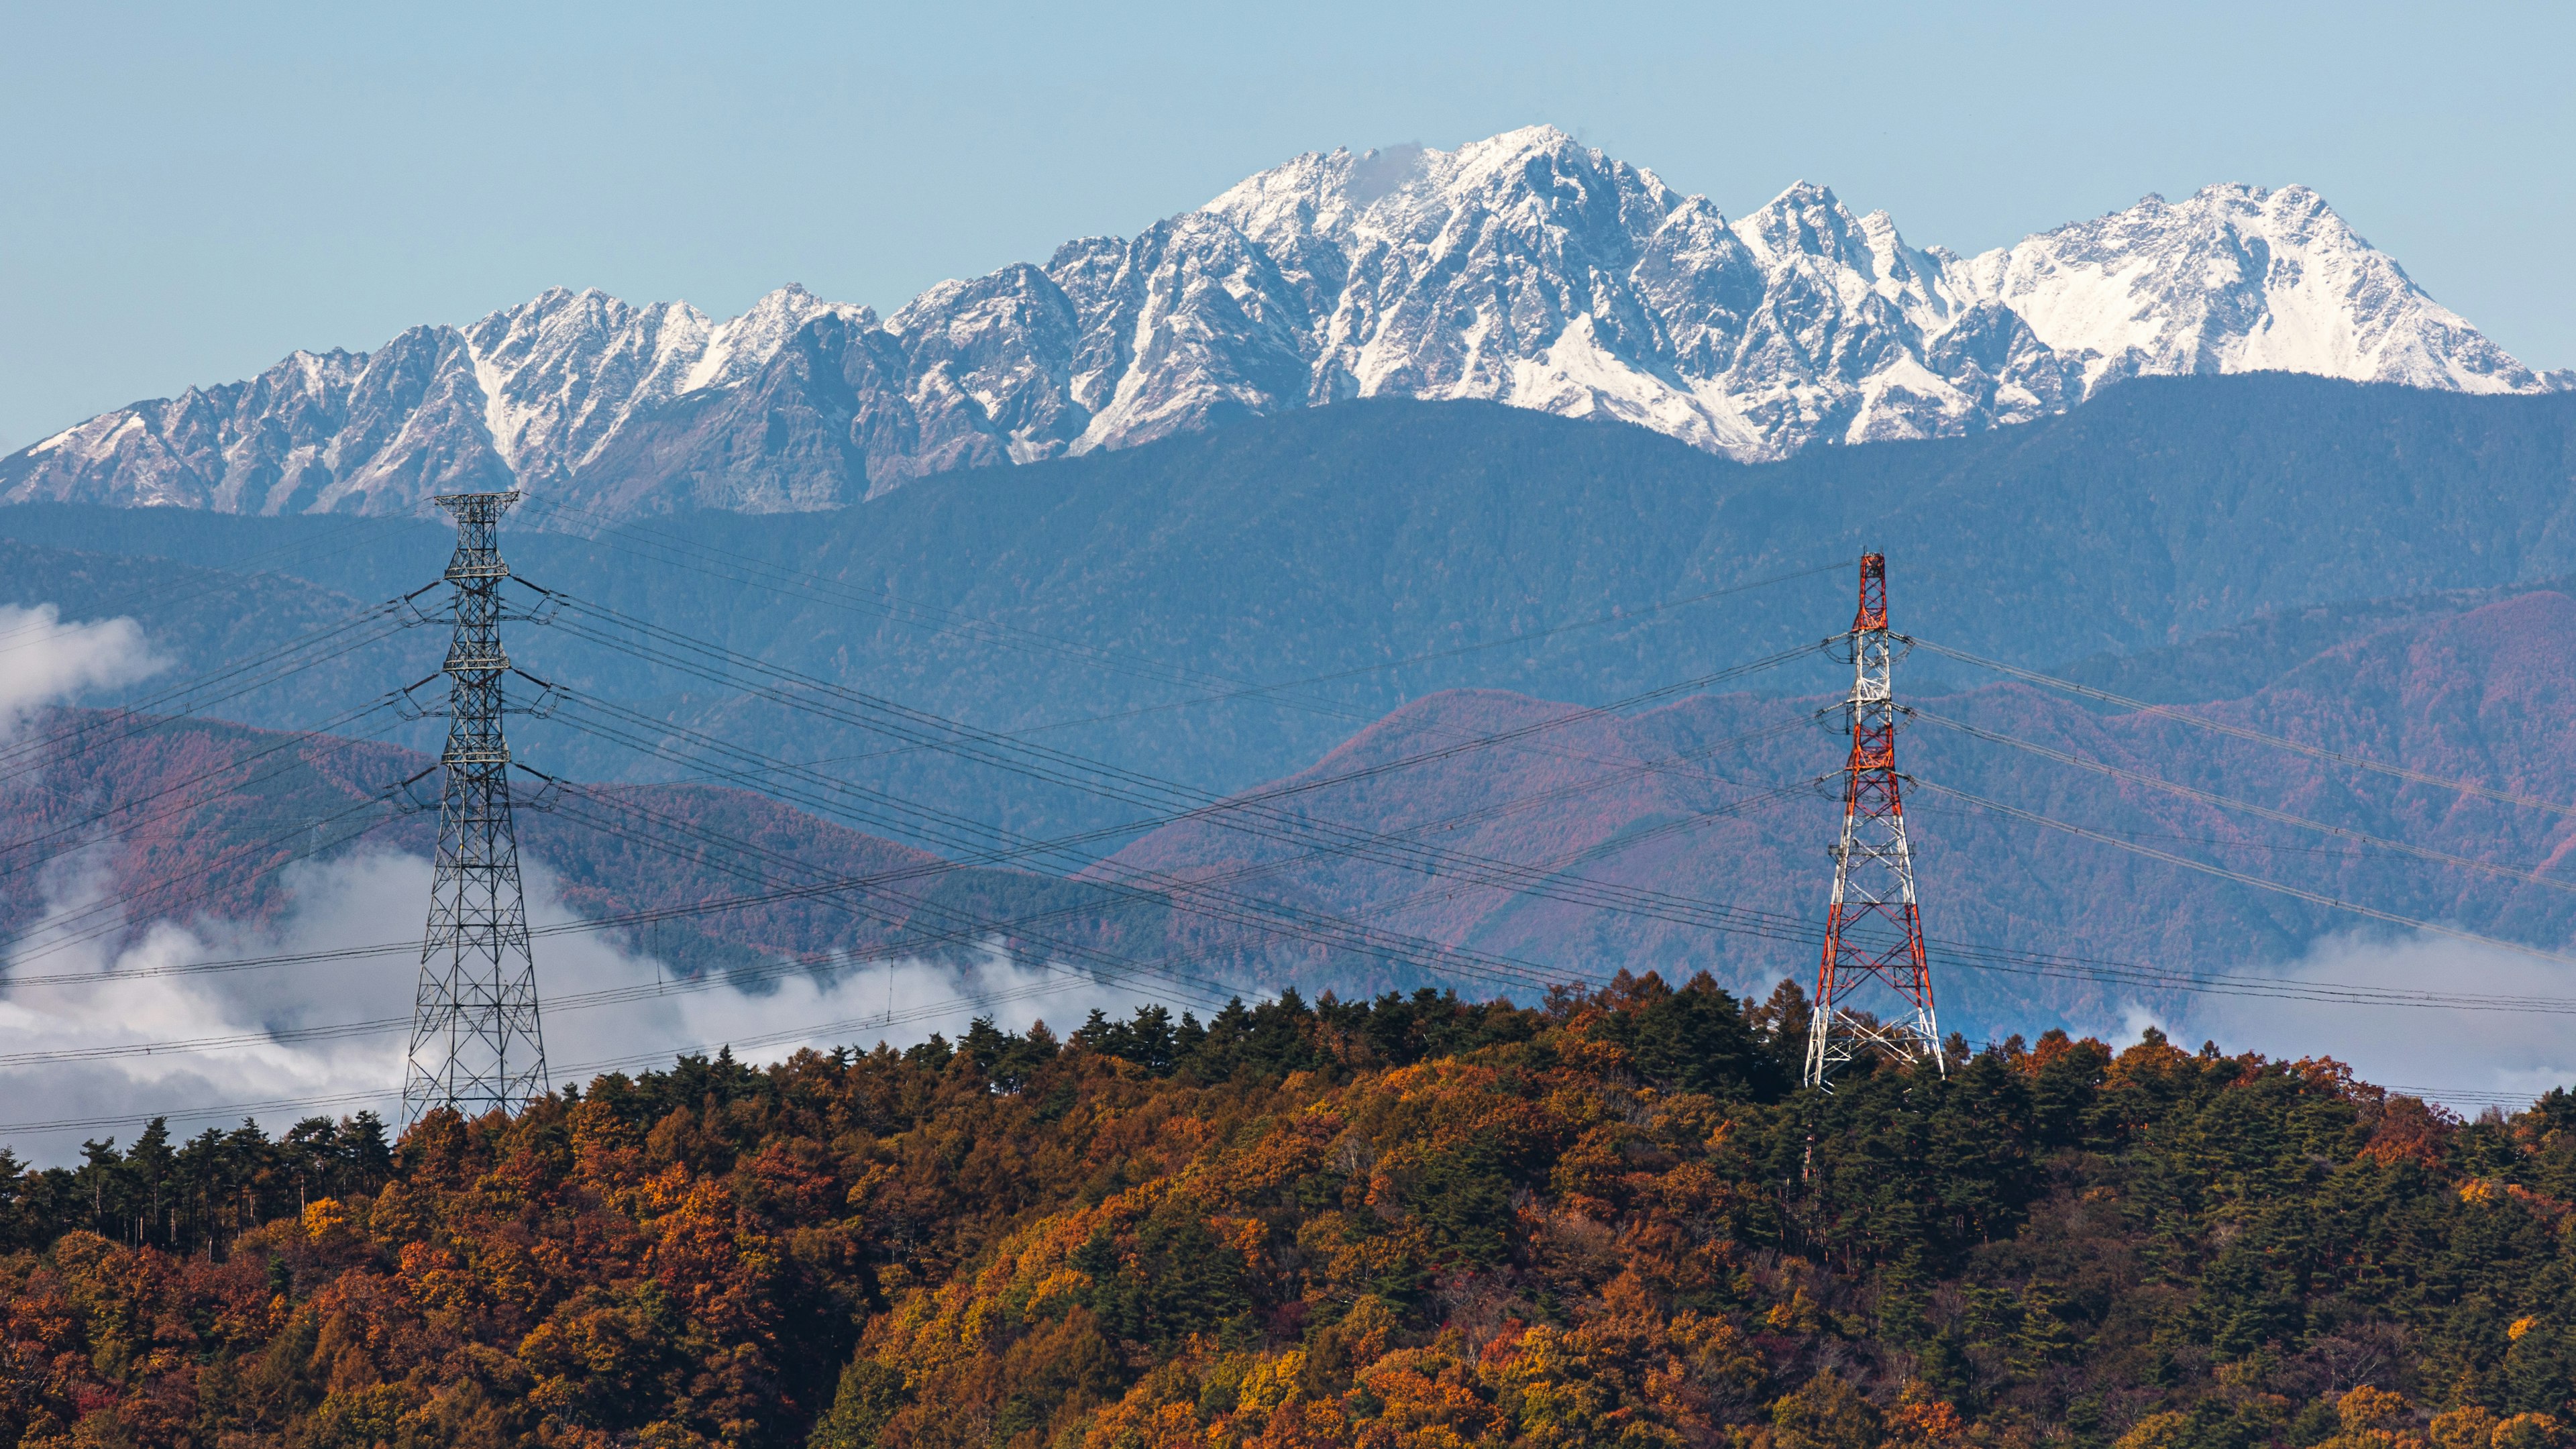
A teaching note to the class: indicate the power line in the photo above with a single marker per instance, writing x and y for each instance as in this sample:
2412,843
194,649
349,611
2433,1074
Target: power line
109,914
2270,988
1298,925
2229,986
1274,919
2245,878
2173,980
179,701
236,570
782,579
1489,741
1695,683
2168,979
1260,689
1039,762
951,619
328,729
2230,802
2476,1095
951,736
2319,752
907,1016
1269,822
726,904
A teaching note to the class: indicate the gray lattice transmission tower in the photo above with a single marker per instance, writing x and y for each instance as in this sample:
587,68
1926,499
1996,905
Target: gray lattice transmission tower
475,1040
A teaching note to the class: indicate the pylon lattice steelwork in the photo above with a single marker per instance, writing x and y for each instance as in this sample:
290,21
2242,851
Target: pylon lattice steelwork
476,1044
1873,930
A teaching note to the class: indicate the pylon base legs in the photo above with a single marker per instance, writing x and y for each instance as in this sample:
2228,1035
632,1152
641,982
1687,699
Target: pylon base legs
1839,1037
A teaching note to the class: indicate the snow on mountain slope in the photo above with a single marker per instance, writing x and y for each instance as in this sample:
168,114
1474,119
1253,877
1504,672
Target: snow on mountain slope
370,432
1525,268
530,393
563,373
2234,279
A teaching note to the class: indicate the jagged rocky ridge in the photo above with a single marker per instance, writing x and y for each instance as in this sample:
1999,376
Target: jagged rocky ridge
1526,269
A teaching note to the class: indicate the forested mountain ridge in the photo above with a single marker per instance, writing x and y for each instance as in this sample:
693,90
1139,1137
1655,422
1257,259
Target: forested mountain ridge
1706,801
1481,838
1414,1222
1127,601
192,821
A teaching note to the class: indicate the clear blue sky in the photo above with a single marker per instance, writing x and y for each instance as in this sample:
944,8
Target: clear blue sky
193,191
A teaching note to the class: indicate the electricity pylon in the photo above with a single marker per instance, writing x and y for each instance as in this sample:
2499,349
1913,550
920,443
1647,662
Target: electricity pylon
1873,931
475,1039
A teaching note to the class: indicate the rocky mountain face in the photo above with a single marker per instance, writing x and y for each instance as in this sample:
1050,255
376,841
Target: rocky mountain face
1525,269
533,394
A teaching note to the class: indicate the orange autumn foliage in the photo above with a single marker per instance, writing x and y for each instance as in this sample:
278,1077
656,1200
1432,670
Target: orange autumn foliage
1417,1223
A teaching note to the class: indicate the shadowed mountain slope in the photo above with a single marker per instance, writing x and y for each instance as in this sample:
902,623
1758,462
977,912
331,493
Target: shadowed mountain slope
1674,811
1124,602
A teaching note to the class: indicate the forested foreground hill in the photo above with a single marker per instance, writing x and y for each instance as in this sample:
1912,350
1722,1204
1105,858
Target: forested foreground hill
1413,1222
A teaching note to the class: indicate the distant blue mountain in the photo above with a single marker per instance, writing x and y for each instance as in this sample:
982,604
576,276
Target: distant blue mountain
1331,543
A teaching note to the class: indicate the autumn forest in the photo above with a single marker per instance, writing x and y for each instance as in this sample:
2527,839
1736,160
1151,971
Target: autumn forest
1607,1219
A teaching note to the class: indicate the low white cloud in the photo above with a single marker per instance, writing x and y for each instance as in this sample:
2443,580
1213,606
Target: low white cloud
375,897
44,660
2503,1054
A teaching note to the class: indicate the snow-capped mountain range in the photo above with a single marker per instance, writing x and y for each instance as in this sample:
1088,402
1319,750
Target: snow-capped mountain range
1526,269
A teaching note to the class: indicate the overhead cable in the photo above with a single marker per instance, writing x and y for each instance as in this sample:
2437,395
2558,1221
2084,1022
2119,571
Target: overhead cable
2245,878
2197,721
2230,802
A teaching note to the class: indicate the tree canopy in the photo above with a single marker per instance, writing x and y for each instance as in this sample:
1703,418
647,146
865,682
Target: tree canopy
1415,1221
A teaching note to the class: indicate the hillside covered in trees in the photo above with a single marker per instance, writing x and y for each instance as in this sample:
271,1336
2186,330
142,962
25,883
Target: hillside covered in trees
1606,1220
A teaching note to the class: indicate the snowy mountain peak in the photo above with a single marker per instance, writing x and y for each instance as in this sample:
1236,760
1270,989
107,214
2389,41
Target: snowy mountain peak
2235,278
1526,268
1804,195
1542,137
564,372
1805,221
1514,157
741,347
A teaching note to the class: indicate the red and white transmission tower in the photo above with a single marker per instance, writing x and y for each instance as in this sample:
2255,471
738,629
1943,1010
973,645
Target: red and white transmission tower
1872,930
